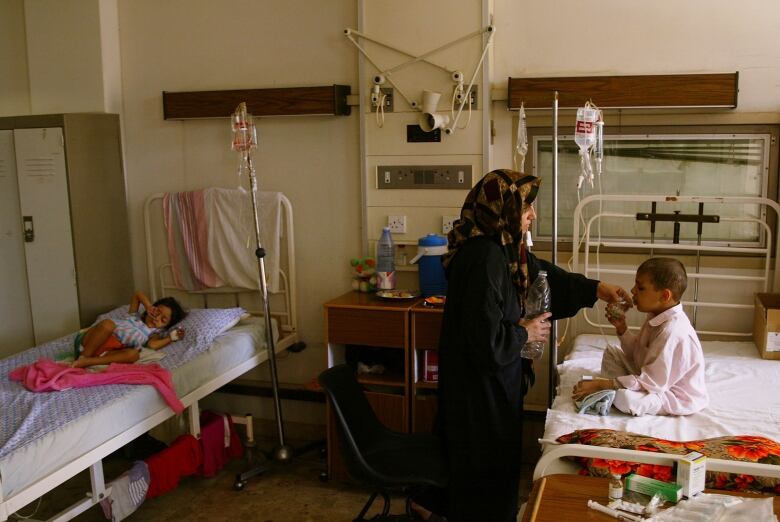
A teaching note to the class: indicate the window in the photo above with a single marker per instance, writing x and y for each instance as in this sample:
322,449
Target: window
692,164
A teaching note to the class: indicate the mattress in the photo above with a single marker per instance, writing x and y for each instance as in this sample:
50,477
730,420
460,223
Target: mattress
46,454
744,396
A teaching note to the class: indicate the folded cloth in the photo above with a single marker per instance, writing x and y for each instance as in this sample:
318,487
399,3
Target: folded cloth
597,403
128,492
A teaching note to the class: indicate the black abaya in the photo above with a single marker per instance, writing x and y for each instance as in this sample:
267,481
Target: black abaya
481,376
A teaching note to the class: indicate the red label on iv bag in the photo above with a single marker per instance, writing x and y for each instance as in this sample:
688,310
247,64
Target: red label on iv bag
585,127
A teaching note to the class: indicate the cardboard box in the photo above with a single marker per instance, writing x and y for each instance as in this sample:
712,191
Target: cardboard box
766,325
669,491
690,473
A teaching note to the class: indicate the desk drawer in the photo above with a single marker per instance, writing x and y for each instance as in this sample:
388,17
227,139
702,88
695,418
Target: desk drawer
367,327
427,327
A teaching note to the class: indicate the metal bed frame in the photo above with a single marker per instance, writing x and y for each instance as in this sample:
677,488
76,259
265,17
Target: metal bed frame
92,459
554,459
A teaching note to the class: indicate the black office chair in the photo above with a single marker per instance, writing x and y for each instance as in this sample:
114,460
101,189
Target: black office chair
374,455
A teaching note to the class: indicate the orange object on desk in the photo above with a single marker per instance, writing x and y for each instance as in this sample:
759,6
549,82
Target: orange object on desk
558,498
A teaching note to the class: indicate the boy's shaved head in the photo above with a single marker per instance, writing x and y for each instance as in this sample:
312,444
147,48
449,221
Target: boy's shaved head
666,273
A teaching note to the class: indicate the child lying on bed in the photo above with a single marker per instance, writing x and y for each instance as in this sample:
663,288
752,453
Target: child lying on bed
660,371
119,340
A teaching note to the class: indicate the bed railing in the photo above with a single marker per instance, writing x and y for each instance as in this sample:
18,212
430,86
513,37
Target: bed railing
552,458
589,215
160,274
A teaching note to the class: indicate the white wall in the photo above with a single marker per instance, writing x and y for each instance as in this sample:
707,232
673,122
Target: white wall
64,56
14,85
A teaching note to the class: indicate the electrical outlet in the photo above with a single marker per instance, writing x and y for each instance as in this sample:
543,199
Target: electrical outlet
388,92
397,224
447,222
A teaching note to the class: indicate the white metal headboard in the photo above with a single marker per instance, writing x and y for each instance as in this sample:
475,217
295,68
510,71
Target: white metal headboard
583,239
160,275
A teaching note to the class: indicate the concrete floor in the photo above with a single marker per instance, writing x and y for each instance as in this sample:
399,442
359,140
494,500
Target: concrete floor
290,492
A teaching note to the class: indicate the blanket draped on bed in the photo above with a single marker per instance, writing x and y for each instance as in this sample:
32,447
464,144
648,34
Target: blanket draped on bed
46,375
211,238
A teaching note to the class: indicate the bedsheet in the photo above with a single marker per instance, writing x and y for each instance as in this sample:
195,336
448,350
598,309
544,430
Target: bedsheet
744,396
101,413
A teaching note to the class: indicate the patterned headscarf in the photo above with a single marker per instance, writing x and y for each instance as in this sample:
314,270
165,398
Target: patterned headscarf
493,209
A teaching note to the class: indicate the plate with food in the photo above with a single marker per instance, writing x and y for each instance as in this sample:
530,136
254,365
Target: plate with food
435,300
397,294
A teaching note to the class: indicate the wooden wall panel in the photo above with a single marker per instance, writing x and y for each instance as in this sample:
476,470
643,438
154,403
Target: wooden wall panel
670,90
289,101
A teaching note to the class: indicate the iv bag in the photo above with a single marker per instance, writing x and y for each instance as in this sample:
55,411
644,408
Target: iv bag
585,138
521,143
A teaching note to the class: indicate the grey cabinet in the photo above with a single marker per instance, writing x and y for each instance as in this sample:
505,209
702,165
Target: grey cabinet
64,236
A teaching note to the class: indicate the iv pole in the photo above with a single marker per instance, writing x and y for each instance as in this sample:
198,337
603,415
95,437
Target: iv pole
244,140
553,329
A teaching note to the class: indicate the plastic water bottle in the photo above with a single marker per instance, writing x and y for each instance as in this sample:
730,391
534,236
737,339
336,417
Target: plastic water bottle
537,303
385,261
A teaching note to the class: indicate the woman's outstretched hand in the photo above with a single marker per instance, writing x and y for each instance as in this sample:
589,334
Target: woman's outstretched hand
538,328
613,293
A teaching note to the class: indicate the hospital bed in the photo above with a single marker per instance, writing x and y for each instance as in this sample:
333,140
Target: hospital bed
744,388
32,466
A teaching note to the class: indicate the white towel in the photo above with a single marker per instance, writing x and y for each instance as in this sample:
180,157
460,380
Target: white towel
231,236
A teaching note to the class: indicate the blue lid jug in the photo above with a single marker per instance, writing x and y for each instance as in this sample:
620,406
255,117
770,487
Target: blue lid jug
429,251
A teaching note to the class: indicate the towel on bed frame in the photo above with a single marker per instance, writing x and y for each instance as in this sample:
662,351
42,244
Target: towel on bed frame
211,238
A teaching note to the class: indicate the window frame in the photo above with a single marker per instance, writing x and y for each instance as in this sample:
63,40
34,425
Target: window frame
654,132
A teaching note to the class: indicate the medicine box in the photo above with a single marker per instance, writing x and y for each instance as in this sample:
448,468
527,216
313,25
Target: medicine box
691,471
669,491
766,325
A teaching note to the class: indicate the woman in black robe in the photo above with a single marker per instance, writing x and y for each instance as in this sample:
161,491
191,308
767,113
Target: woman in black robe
482,378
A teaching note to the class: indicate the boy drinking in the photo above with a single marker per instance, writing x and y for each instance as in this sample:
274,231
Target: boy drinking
660,370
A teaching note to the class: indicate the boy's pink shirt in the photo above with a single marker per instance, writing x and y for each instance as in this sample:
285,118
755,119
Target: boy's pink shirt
670,356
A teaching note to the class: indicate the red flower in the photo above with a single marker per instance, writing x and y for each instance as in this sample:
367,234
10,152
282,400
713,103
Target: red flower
588,435
647,448
619,467
753,453
646,470
743,481
663,473
721,480
654,471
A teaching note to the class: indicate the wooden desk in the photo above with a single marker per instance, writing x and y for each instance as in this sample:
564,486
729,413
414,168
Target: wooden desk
363,321
555,498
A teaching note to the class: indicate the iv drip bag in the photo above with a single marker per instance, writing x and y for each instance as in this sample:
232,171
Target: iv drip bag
521,142
585,138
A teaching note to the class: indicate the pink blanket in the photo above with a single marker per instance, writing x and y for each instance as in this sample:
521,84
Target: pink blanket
47,375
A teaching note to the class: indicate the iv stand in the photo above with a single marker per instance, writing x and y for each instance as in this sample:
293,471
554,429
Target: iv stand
283,452
553,327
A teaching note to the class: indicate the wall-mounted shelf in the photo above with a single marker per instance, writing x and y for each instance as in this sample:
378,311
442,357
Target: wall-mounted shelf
328,100
651,91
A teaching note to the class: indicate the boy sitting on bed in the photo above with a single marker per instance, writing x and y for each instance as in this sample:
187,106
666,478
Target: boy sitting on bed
660,371
120,340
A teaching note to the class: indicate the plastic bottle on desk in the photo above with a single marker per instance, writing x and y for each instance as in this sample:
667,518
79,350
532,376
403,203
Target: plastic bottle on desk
385,261
537,302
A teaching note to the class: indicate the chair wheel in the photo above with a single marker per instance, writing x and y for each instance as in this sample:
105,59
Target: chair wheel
324,476
239,485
